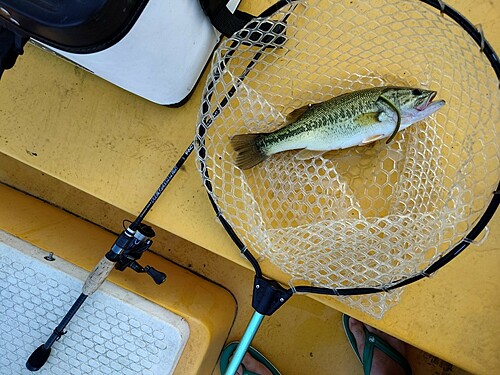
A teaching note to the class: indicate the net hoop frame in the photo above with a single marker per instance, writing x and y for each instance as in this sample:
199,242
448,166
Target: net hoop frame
458,248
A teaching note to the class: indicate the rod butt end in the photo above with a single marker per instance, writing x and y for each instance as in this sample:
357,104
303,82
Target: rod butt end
38,358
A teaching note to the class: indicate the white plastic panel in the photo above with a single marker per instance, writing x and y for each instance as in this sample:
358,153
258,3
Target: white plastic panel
115,331
161,57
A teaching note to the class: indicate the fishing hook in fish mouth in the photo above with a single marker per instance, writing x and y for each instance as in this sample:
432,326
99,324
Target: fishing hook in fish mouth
427,102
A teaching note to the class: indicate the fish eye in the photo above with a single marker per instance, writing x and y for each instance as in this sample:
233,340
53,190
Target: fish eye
416,92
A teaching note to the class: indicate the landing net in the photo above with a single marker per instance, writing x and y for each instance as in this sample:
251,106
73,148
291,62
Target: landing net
366,216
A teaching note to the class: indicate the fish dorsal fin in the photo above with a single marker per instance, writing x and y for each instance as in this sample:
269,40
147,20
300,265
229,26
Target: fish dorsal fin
306,154
297,113
368,119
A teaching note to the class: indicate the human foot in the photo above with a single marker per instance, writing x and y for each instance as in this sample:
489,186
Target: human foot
251,364
382,363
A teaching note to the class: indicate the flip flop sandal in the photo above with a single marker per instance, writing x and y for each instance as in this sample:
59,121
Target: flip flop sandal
228,351
373,342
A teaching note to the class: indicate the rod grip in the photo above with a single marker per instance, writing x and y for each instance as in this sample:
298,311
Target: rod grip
97,276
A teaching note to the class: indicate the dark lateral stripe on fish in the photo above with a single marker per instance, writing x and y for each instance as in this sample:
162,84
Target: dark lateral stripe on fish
352,119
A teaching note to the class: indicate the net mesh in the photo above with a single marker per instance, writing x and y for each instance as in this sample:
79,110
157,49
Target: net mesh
365,216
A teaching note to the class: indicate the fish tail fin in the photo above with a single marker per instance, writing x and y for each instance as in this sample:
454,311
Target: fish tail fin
248,154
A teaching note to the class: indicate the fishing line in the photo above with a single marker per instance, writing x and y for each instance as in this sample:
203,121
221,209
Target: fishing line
252,205
264,39
487,50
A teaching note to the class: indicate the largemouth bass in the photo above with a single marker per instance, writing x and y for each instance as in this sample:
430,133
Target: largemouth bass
352,119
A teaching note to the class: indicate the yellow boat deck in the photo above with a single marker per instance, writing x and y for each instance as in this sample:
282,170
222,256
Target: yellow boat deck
303,337
99,152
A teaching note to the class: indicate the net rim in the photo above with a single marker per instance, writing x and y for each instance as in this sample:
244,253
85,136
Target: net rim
441,261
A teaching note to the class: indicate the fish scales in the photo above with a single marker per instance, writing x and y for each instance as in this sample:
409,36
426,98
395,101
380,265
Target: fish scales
351,119
325,118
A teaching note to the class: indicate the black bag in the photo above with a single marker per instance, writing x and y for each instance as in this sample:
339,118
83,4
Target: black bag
89,32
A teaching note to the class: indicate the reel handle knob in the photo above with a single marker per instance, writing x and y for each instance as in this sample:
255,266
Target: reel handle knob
158,276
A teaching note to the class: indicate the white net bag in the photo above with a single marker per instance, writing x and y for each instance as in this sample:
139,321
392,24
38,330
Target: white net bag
366,216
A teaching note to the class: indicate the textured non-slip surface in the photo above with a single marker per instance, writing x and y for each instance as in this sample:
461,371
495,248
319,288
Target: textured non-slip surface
115,331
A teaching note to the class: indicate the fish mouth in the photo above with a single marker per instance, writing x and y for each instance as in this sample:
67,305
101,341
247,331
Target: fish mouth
427,102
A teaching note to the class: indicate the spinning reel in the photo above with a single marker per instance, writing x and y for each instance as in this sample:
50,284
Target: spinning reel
139,244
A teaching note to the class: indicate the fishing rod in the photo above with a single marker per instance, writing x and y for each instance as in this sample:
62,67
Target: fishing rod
124,253
127,248
136,238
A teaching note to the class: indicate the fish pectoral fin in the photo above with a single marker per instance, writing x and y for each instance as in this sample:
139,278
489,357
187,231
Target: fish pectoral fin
297,113
306,154
369,118
371,139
